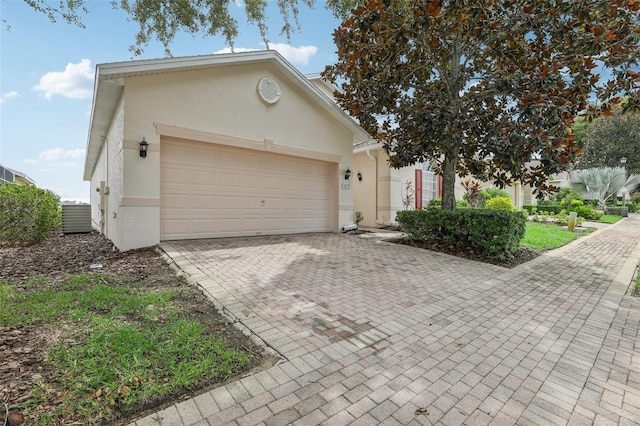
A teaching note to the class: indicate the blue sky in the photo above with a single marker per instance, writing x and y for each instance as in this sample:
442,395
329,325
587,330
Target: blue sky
47,70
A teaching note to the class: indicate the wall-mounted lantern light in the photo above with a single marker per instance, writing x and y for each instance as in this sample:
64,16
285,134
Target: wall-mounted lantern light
359,176
347,174
144,145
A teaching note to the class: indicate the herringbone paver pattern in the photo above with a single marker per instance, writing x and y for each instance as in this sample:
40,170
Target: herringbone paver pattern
376,333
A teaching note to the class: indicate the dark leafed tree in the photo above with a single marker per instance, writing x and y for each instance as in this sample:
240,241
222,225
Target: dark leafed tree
611,138
163,19
485,87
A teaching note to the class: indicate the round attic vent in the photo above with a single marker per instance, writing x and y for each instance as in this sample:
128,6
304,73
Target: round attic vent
269,90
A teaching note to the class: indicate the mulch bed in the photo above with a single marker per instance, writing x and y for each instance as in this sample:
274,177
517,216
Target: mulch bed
23,349
522,255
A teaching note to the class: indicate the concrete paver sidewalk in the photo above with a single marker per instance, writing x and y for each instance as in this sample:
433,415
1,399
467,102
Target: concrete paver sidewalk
376,333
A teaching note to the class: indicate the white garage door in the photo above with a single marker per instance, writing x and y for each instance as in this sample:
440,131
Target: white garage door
210,191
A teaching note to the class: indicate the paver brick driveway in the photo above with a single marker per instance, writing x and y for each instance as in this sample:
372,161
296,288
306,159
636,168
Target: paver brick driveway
377,333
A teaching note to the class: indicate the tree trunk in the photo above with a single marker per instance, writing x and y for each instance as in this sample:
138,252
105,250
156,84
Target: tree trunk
449,180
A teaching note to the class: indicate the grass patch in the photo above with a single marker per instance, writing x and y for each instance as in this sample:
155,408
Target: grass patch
124,346
608,218
542,236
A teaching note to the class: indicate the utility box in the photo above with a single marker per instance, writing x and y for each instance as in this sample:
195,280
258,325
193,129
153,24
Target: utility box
76,218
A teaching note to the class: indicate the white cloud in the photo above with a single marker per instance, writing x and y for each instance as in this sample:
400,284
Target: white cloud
296,55
57,154
76,81
57,159
9,95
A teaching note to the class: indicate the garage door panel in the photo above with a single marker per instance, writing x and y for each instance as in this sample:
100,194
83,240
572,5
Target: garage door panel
175,227
178,201
176,175
200,201
209,190
204,176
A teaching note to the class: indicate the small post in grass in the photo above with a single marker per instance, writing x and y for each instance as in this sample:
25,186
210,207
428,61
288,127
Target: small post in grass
573,218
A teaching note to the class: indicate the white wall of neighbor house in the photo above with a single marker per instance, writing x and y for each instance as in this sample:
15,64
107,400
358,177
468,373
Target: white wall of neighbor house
399,180
221,101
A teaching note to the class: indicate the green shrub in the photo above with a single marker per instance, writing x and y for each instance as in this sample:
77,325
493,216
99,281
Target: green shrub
437,203
587,212
28,213
530,208
618,211
490,233
499,203
566,197
549,208
358,217
633,207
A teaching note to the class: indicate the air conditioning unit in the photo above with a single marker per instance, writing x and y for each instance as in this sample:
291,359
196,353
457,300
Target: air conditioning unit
76,218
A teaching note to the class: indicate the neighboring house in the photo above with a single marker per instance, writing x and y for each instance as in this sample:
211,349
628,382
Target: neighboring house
216,146
8,175
380,191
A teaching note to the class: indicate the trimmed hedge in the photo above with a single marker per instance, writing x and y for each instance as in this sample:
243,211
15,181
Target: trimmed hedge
490,233
28,213
618,211
436,203
548,208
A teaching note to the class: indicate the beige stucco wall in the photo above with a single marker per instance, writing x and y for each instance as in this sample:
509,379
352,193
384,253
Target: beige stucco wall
381,186
364,192
220,101
323,88
109,169
94,196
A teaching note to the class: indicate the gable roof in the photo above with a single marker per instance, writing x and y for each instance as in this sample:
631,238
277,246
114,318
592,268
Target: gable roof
110,78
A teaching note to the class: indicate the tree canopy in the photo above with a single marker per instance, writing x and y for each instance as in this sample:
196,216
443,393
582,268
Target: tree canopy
485,88
162,19
611,138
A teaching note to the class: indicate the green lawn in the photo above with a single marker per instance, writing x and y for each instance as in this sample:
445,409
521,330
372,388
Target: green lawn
124,345
607,218
542,236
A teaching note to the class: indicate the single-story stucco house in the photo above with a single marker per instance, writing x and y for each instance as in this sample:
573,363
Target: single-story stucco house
219,145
